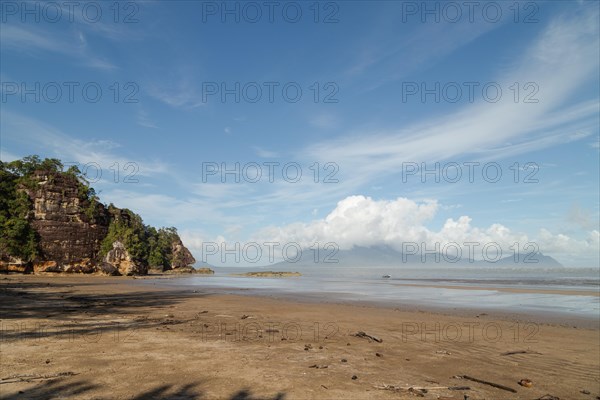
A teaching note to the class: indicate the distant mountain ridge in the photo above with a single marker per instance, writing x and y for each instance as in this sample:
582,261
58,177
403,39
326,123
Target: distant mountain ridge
386,256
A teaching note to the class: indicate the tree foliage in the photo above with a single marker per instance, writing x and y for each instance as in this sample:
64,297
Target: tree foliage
17,237
144,243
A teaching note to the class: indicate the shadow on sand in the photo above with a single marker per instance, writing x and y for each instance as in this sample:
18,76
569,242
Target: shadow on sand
88,315
81,390
66,315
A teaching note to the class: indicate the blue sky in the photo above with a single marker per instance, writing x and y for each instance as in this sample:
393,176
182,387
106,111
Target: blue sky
161,68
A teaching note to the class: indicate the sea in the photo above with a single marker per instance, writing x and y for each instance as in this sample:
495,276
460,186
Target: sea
559,292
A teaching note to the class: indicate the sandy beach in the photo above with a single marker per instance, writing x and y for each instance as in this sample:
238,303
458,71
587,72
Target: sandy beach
98,338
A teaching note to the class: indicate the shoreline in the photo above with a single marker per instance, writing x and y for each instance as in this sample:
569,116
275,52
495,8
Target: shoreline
537,316
164,342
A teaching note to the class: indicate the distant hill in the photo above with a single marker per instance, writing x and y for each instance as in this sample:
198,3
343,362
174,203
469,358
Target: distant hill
533,260
385,256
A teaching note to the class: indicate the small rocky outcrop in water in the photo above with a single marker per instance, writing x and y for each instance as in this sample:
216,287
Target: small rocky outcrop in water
190,270
270,274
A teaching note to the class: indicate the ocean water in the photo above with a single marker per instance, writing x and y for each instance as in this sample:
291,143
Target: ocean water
571,292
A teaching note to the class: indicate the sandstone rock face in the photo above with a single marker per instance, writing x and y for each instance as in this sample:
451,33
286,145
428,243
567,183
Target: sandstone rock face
120,259
83,266
182,257
71,228
67,236
14,264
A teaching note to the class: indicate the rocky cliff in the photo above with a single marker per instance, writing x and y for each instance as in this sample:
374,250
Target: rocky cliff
75,233
69,239
181,255
118,261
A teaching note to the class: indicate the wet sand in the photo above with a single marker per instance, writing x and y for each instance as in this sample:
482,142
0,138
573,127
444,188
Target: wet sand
510,290
89,337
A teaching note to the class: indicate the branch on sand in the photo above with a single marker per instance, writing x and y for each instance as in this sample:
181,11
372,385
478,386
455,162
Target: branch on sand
362,334
419,391
496,385
34,377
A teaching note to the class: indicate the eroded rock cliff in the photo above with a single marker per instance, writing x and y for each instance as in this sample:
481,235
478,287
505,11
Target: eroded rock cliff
123,262
181,255
70,227
70,231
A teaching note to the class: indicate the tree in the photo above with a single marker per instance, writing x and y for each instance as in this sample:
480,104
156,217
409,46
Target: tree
18,238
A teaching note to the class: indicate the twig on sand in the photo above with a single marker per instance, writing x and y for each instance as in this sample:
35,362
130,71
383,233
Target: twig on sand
362,334
418,393
496,385
32,377
510,353
419,390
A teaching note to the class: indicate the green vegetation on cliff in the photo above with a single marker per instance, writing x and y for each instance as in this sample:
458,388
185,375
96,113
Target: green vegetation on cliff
144,243
18,238
19,179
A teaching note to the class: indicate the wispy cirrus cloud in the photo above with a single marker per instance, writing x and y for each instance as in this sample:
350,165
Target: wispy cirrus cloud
390,52
264,153
50,140
177,87
7,156
32,41
562,59
143,119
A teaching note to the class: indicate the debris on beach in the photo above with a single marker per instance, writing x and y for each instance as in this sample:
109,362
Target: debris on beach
318,366
307,347
379,354
526,383
419,390
364,335
354,377
34,377
484,382
548,397
510,353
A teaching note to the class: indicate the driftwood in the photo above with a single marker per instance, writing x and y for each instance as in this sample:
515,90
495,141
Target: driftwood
496,385
510,353
362,334
32,377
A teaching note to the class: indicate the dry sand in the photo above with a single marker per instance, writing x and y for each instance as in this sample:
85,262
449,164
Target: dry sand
112,338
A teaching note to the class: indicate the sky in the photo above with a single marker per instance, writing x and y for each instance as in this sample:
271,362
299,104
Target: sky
347,122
